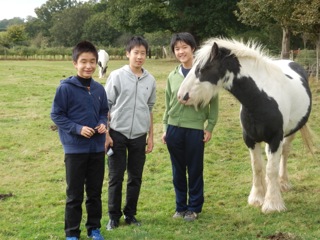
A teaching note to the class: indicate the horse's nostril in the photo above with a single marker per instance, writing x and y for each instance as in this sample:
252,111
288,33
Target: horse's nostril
186,97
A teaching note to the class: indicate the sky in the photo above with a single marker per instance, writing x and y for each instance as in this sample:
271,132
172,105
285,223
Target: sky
19,8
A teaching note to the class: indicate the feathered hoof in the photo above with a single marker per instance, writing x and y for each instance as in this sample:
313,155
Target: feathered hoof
256,202
272,207
285,186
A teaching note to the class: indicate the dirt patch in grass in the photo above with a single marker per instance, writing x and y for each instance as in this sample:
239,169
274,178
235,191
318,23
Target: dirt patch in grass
281,236
5,195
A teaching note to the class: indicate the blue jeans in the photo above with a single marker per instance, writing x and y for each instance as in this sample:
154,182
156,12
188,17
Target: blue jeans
186,148
83,171
129,154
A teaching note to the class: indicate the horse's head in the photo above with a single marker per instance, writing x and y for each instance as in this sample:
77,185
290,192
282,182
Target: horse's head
206,78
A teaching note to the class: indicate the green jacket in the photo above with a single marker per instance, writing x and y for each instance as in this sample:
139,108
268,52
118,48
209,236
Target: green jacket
180,115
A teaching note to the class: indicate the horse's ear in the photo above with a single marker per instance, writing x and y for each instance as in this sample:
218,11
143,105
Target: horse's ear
214,51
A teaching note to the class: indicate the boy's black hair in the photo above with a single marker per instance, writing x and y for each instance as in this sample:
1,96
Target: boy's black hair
81,47
137,41
184,37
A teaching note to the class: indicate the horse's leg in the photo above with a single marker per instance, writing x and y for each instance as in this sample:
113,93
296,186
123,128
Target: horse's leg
100,72
258,190
273,199
283,171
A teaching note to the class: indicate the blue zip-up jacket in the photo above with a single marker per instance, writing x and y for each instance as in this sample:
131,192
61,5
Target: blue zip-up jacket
74,106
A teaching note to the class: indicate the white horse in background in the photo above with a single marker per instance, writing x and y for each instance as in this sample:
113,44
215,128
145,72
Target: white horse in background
103,59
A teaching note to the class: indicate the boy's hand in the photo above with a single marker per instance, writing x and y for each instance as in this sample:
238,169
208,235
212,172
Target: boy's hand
163,138
100,129
149,146
87,132
207,136
109,141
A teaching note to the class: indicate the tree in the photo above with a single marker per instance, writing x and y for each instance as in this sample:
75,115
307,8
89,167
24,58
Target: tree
5,23
138,16
33,27
204,19
307,14
16,34
69,25
4,40
98,30
46,12
269,12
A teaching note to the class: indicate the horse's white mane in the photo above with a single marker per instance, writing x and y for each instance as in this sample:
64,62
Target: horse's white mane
251,49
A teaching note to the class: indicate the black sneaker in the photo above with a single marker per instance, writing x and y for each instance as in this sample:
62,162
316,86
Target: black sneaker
132,220
112,224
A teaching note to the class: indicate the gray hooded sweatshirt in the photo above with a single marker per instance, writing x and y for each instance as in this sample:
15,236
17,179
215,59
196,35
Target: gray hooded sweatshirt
130,100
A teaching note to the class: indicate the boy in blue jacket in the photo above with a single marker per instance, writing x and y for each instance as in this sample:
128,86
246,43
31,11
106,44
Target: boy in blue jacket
80,110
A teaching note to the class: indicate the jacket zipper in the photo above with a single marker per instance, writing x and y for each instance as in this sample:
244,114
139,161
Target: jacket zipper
134,106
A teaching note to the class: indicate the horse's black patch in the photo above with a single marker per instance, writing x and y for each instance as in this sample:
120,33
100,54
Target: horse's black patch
298,69
260,115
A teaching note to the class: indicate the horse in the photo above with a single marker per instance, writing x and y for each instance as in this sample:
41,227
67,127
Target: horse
275,101
103,59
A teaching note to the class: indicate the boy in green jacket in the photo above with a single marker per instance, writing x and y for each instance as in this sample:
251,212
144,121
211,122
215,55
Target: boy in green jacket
185,133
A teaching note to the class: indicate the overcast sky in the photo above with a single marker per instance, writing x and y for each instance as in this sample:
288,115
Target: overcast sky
19,8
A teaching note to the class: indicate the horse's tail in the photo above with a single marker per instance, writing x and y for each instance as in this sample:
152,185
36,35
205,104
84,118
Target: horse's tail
307,138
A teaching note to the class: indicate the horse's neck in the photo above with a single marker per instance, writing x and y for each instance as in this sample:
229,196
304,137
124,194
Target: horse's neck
241,89
247,88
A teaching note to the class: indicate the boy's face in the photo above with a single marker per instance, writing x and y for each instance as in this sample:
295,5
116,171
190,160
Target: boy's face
183,52
86,65
137,56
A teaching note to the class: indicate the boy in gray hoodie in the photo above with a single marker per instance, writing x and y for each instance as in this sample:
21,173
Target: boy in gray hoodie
131,92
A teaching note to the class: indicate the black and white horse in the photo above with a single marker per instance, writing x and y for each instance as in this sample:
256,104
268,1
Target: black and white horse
103,59
275,103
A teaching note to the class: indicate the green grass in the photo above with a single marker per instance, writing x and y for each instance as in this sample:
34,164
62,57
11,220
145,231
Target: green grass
32,169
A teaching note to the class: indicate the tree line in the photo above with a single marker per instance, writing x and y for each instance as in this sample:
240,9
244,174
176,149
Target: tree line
281,25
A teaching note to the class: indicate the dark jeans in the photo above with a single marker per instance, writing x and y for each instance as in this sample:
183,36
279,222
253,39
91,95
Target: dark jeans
83,171
186,148
129,154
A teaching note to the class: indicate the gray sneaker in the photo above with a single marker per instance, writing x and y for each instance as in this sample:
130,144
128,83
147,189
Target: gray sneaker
190,216
179,214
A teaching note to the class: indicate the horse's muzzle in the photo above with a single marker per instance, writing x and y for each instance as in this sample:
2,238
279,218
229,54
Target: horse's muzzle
186,97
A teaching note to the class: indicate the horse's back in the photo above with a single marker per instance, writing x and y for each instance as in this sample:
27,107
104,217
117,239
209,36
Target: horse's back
103,57
292,69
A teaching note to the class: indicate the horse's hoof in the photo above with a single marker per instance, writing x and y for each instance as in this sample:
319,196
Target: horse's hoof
285,187
269,208
256,202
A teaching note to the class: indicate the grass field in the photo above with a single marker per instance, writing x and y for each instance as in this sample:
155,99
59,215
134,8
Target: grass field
32,177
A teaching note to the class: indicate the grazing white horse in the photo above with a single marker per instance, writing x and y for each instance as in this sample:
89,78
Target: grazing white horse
103,59
275,103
